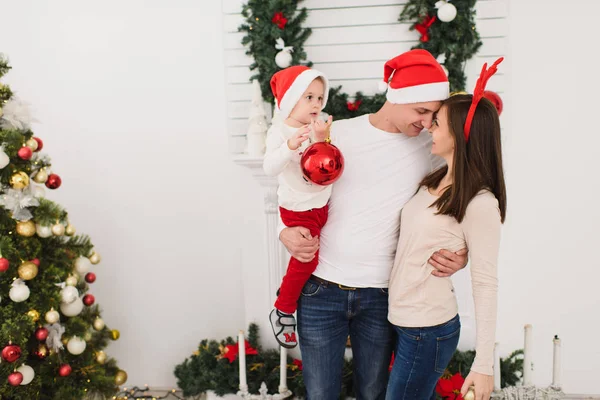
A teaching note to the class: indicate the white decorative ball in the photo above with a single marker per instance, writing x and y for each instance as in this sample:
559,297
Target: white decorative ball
82,265
4,159
447,12
43,231
73,309
69,294
27,373
52,316
283,59
71,280
98,324
19,293
76,345
58,229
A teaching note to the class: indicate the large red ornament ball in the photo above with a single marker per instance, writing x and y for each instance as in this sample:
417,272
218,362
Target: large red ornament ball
4,264
495,99
25,153
90,277
11,353
53,181
88,299
64,370
15,378
41,334
322,163
39,142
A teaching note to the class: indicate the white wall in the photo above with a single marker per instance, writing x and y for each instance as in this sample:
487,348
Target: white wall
549,268
132,109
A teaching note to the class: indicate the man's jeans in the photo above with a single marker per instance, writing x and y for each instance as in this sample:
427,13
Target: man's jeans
421,357
327,314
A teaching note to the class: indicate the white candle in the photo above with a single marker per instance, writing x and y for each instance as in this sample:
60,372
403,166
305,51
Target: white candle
497,380
527,360
283,370
556,364
242,358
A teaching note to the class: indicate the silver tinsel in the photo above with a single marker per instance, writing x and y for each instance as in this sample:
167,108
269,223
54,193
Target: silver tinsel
17,201
38,161
54,339
16,115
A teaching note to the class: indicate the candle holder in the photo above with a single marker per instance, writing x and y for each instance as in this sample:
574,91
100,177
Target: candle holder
263,393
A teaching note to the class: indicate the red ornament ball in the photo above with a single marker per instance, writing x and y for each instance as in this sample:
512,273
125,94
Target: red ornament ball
4,264
90,277
25,153
41,334
53,181
42,352
11,353
495,99
36,261
64,370
322,163
88,299
15,378
39,142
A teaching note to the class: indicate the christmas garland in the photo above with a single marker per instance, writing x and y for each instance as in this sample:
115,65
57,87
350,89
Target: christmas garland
275,39
214,366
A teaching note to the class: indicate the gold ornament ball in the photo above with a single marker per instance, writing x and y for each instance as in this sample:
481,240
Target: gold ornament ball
19,180
32,144
95,258
26,228
34,315
98,324
101,357
87,336
120,377
115,334
65,340
27,271
52,316
70,230
58,229
71,280
470,394
41,176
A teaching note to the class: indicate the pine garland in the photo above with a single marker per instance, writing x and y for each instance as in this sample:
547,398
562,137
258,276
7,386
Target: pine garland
458,40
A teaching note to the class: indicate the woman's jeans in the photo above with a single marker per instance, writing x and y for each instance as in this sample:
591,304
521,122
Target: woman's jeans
420,359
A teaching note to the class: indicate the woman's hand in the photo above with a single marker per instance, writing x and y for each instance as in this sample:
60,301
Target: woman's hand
484,385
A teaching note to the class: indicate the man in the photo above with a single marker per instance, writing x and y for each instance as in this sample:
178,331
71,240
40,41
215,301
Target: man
386,156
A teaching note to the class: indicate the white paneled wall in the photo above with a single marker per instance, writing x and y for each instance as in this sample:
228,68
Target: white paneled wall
350,42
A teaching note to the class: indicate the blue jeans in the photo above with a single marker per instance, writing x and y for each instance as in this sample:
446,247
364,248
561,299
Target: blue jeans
327,314
421,357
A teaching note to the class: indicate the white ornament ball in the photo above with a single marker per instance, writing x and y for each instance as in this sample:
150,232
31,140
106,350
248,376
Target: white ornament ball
27,373
447,12
43,231
58,229
76,345
4,159
283,59
52,316
19,293
82,265
38,191
69,294
73,309
71,280
98,324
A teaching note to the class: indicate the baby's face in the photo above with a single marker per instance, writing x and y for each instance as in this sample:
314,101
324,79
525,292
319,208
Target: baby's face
310,104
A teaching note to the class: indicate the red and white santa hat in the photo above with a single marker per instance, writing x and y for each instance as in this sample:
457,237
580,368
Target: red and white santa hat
290,83
415,77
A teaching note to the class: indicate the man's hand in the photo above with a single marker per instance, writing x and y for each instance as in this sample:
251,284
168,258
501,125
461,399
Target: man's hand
447,263
299,243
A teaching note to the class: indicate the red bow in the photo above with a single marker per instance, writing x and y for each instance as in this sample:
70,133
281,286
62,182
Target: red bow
354,106
279,20
423,27
484,76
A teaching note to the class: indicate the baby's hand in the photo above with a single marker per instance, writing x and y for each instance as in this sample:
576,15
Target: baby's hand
321,129
300,136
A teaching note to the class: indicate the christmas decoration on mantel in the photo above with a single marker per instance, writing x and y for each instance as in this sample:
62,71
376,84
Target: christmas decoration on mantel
51,333
275,37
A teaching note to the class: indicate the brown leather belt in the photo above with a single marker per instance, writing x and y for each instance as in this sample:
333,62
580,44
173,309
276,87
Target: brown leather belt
327,283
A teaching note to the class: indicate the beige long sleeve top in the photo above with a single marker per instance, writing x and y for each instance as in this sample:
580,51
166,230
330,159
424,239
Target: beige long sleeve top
419,299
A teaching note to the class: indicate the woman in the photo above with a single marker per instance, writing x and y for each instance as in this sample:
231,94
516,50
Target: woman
462,203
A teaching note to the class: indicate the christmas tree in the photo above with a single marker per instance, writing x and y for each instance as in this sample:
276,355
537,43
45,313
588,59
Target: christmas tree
51,333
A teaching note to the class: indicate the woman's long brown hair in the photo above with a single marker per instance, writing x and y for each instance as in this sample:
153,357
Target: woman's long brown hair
477,163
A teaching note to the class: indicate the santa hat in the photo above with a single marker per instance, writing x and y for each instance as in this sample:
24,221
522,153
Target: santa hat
416,77
289,84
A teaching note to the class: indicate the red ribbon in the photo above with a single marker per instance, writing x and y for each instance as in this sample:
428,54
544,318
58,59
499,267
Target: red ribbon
423,27
354,106
279,20
484,76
